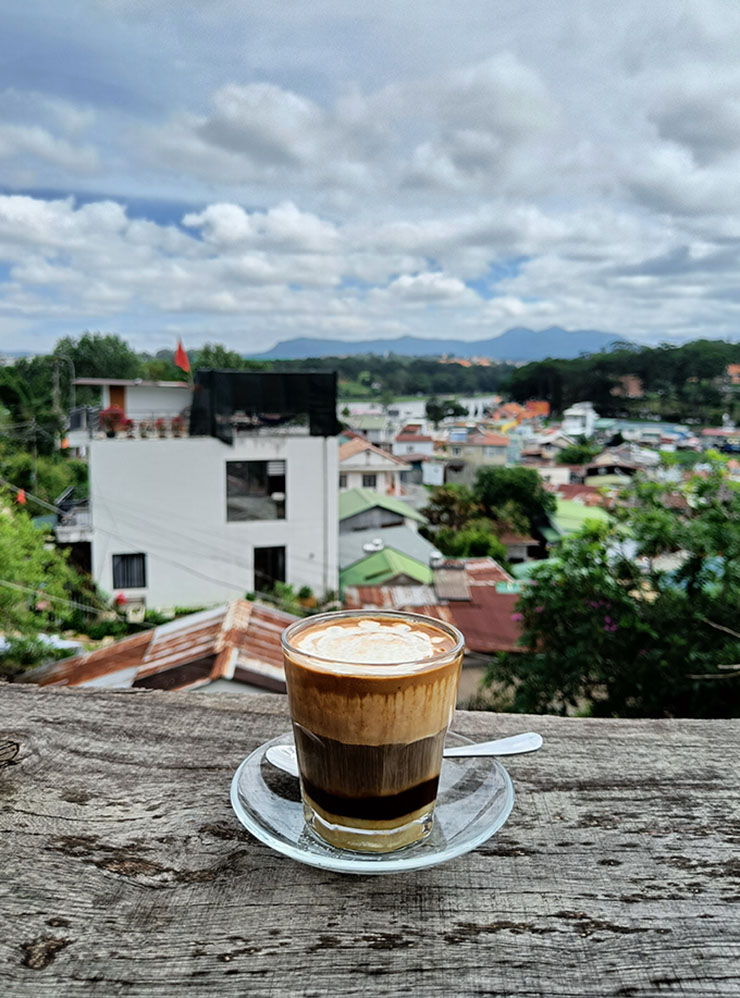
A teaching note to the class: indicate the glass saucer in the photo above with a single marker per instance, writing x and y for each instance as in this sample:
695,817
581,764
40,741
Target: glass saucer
475,798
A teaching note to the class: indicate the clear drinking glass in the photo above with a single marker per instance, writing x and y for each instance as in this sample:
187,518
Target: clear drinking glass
371,697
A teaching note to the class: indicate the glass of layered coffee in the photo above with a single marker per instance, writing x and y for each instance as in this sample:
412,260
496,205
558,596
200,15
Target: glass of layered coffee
371,697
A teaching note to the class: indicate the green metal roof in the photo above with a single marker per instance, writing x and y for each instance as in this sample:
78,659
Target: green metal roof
570,516
366,421
550,534
382,567
355,501
524,569
603,480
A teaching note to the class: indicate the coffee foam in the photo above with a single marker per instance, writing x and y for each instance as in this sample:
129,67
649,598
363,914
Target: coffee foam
370,642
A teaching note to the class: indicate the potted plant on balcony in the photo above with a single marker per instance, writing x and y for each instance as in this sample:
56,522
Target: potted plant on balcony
160,425
145,427
177,425
111,419
130,427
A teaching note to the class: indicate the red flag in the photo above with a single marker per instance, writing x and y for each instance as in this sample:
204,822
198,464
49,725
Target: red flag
181,358
21,497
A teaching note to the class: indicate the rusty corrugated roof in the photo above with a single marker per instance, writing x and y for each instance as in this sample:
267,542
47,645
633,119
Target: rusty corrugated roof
487,618
240,637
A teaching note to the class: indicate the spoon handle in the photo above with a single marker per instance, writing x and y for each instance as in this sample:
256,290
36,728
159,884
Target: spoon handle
530,741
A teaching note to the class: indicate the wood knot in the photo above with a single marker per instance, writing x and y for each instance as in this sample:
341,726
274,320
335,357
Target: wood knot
39,953
8,751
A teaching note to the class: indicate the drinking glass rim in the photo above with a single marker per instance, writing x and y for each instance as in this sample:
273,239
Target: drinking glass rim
401,615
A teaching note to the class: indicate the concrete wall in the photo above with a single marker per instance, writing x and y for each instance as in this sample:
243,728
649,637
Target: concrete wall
375,519
558,475
433,473
151,401
387,483
412,447
167,499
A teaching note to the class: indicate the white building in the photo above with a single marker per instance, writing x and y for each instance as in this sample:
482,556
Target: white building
198,520
579,420
194,522
412,441
363,465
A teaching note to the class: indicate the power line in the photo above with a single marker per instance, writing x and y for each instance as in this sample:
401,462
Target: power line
187,568
54,599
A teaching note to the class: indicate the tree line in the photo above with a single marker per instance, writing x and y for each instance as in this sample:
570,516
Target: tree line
677,382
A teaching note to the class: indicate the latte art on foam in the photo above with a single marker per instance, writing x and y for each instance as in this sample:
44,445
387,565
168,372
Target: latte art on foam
369,642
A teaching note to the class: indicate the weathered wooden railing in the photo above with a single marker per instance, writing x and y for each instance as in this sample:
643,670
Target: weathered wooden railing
125,872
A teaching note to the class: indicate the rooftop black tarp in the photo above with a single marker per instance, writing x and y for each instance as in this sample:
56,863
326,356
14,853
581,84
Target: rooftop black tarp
223,399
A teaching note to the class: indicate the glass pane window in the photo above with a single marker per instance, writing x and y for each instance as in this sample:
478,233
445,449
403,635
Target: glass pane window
255,490
369,481
269,568
129,571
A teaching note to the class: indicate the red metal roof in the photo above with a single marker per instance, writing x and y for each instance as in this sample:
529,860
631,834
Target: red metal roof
485,571
359,444
241,640
487,618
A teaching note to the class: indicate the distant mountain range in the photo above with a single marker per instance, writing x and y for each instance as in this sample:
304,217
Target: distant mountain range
514,345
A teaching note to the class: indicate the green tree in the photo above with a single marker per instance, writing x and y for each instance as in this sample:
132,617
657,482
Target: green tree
45,476
519,489
37,584
451,506
161,367
100,355
577,453
613,635
477,539
437,409
217,356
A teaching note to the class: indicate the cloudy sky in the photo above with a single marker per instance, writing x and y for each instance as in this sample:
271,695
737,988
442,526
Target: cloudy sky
246,172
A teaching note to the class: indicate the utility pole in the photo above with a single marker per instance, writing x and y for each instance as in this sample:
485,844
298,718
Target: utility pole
35,477
56,405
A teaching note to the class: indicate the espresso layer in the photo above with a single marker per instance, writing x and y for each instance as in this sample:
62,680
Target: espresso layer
378,782
379,808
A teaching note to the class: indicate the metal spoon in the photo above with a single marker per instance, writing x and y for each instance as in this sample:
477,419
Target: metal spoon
284,756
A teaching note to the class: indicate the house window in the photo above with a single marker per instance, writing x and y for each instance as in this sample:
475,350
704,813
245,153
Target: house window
269,568
129,571
255,490
369,481
342,481
456,451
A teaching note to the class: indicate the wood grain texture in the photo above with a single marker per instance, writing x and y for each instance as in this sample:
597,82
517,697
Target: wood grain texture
125,872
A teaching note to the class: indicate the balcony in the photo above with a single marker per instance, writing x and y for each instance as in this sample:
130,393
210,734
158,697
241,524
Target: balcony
74,525
93,423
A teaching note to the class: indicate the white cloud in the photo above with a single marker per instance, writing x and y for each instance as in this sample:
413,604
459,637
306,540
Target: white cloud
284,227
429,288
31,140
371,171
